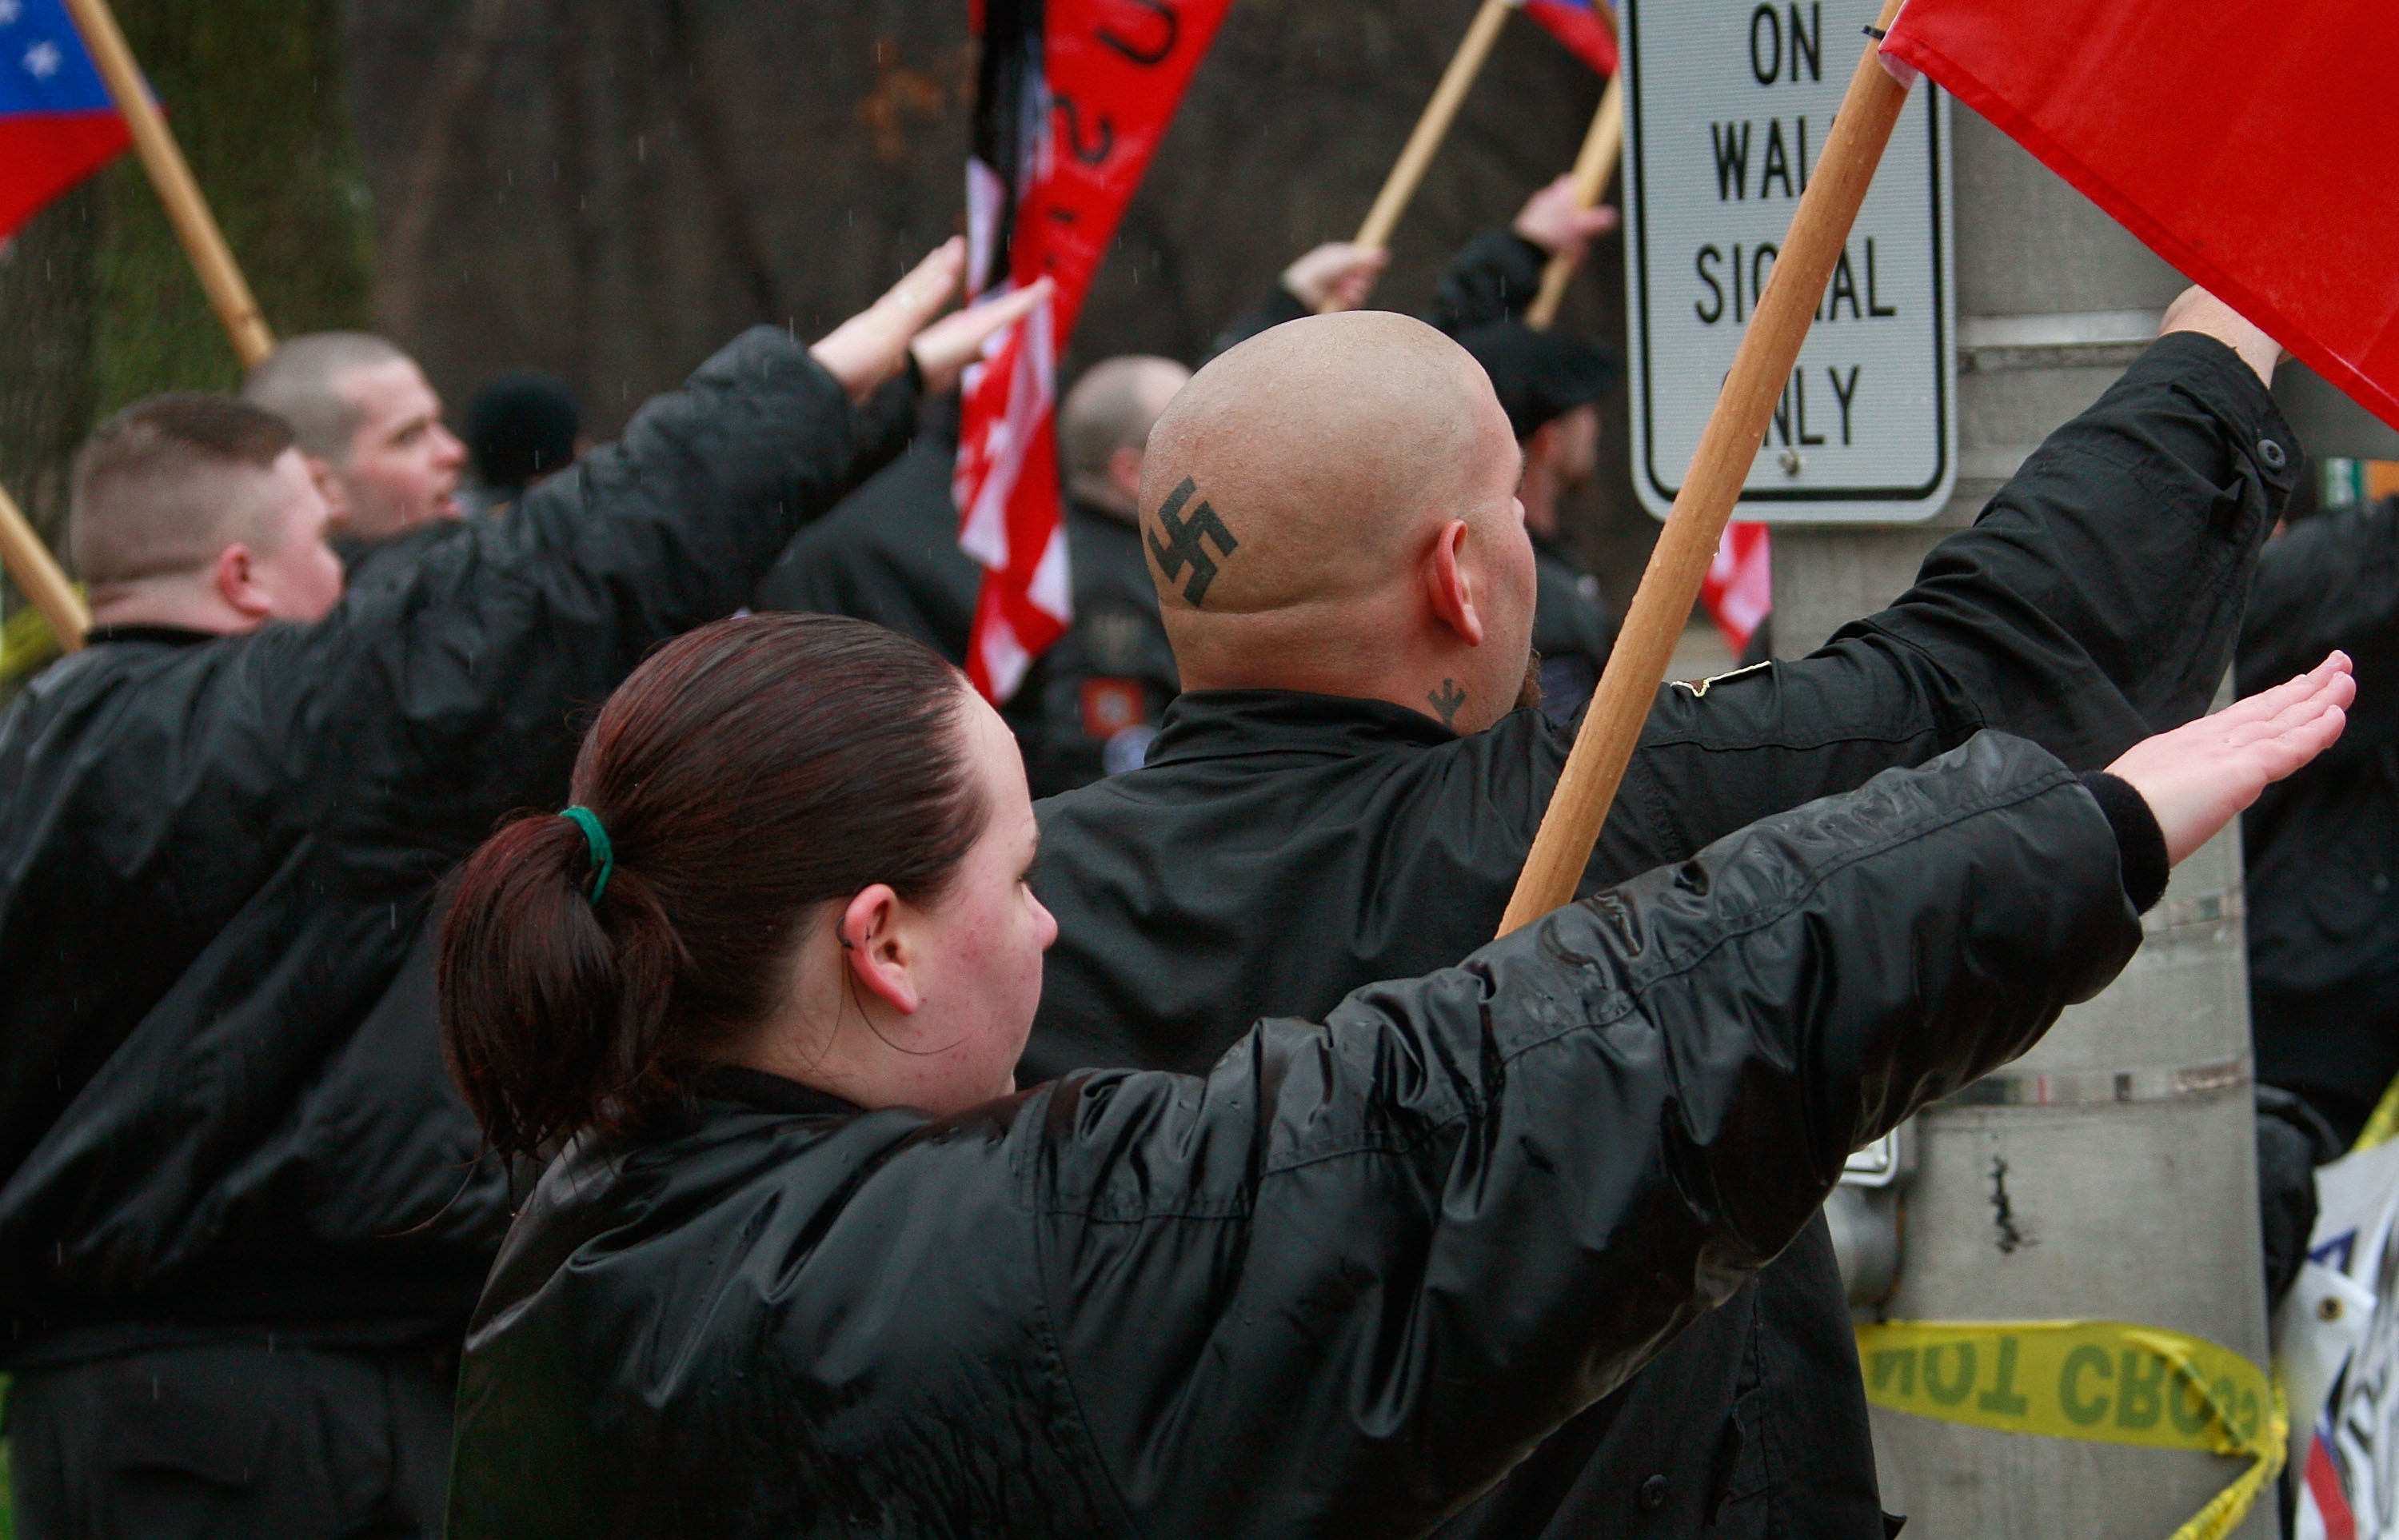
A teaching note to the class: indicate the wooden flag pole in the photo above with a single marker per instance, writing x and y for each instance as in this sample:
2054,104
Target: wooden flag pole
36,572
164,160
1710,488
1433,125
1594,168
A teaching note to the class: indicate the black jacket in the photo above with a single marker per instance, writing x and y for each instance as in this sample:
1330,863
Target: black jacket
1493,277
1334,1288
1573,631
1089,706
889,553
2323,847
1280,850
222,1100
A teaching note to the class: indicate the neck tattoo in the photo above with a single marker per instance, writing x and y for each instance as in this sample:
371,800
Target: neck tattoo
1446,700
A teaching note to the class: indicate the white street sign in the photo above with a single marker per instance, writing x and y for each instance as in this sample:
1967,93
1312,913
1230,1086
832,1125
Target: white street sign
1727,103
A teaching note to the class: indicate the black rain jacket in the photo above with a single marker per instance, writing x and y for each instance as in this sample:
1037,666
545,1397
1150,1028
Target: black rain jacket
221,1100
1334,1287
889,553
2321,848
1282,849
1090,703
1573,631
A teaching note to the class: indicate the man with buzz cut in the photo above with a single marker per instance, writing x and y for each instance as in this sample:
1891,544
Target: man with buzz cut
369,427
1348,787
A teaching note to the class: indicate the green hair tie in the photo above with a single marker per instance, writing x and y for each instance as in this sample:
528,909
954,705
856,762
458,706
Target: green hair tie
603,854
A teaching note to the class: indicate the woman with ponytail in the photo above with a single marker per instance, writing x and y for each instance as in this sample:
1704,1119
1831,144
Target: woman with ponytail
805,1262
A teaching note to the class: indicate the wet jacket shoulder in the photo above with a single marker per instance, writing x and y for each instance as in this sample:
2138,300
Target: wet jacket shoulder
215,854
1261,1301
2321,848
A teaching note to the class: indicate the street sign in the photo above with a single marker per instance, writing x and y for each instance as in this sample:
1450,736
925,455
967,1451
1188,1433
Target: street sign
1726,106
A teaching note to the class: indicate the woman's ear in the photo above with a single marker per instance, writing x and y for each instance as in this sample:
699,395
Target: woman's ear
878,953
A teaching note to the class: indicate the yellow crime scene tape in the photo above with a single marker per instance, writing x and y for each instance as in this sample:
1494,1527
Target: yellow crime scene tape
2104,1382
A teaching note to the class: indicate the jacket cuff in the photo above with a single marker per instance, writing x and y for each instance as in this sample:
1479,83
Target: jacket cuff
1280,306
2140,844
2215,376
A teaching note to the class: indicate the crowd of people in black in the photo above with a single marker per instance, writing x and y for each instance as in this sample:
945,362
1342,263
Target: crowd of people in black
544,1005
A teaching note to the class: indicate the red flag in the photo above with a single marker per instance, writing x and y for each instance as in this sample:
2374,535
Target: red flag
1586,31
1738,589
1075,96
2250,145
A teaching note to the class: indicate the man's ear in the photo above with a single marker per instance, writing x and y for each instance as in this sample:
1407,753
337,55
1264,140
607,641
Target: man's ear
1543,445
329,487
1450,587
236,584
872,944
1124,474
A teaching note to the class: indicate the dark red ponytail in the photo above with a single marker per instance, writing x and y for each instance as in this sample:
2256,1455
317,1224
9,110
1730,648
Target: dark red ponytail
745,775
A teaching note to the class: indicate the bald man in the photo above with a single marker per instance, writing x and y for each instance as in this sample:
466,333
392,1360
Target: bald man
1346,790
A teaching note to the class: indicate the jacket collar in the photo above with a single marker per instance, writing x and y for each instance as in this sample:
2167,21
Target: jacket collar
1202,724
168,636
772,1093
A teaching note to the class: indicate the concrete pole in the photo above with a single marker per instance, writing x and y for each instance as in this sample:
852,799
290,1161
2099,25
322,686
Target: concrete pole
2132,1194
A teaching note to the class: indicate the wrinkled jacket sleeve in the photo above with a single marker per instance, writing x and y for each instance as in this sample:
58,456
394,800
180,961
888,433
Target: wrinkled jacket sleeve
2095,601
1493,277
1369,1266
2332,581
461,679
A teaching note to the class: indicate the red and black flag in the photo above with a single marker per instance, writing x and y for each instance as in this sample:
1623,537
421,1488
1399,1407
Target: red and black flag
1073,98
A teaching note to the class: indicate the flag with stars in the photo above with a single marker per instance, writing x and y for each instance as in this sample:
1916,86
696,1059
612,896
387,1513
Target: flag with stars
56,122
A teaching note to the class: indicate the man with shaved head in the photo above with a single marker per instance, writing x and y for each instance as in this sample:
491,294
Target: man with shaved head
1346,790
370,429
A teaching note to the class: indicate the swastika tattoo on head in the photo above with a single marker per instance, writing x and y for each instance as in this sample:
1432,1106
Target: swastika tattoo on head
1182,547
1446,700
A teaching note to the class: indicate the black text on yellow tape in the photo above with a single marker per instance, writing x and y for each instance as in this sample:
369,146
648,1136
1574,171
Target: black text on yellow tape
2105,1381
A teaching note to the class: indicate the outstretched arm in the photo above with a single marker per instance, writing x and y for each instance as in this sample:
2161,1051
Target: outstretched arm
2094,602
461,680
